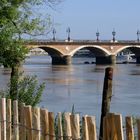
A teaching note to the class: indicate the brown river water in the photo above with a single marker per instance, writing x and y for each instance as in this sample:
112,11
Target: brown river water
81,85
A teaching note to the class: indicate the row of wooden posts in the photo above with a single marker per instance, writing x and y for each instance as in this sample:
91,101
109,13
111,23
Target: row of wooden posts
20,122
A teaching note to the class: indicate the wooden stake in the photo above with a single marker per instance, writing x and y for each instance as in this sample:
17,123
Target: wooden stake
75,126
45,124
28,120
85,135
16,127
3,118
9,120
138,128
129,128
36,124
67,126
106,98
22,129
60,131
91,128
51,126
118,126
113,128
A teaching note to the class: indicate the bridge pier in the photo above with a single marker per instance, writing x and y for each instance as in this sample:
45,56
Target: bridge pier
138,59
61,60
111,59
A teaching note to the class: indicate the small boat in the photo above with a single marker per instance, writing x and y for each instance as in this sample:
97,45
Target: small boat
125,58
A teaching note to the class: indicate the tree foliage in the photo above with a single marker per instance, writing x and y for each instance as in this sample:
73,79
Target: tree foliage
17,19
28,90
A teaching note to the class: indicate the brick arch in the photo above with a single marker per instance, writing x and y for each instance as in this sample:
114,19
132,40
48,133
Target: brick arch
100,49
134,48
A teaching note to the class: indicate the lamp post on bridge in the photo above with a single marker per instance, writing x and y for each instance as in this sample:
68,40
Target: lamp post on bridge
68,31
54,32
113,33
138,34
97,34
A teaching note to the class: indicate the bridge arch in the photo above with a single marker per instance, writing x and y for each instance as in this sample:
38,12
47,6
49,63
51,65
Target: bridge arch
57,56
134,48
97,50
102,55
49,49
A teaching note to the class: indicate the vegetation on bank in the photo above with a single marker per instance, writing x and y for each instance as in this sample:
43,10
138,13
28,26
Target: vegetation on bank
25,89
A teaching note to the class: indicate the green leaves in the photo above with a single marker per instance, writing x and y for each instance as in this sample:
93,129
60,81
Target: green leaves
26,90
11,52
29,91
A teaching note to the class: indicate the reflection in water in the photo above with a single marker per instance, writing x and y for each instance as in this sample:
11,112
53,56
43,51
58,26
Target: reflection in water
135,72
81,84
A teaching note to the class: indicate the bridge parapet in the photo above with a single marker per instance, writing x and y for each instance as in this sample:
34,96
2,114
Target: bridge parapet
101,41
82,42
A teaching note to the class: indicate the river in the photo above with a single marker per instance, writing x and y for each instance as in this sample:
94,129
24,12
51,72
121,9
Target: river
81,85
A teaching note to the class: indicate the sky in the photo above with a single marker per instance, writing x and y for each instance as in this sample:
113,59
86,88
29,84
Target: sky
85,17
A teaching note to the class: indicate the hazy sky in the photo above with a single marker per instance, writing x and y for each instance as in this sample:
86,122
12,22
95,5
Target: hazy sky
84,17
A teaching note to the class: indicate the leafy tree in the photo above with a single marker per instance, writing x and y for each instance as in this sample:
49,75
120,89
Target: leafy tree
17,19
27,91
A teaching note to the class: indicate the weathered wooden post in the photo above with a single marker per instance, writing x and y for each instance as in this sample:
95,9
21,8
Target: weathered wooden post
129,128
15,120
9,120
106,98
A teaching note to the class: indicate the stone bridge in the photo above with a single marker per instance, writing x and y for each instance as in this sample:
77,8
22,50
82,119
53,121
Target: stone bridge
104,51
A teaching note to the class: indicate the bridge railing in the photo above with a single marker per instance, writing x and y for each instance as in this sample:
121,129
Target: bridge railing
83,41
